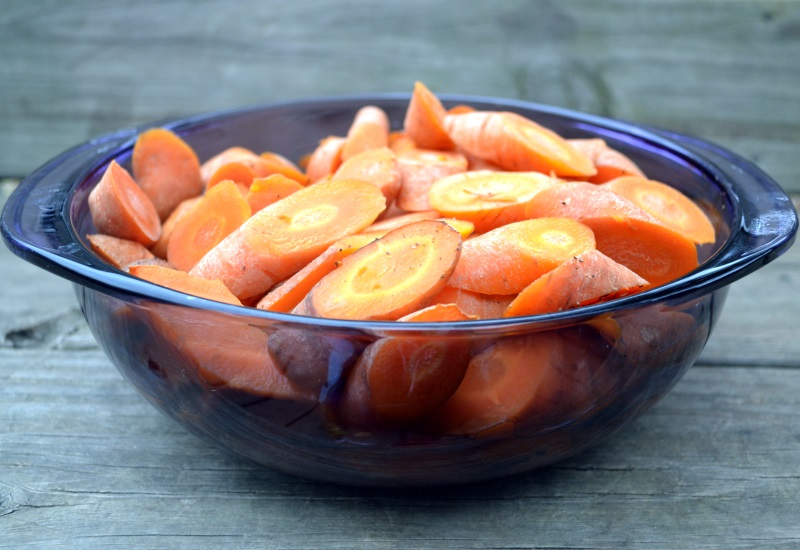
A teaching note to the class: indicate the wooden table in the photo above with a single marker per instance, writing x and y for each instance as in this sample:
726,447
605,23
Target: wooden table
87,463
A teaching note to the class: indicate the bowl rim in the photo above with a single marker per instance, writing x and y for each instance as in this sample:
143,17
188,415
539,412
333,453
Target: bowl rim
45,235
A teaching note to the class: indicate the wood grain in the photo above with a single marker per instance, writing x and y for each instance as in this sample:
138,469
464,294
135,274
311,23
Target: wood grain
726,71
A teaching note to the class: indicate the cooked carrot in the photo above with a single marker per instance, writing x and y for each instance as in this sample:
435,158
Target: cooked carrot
183,282
460,109
419,169
390,277
516,143
291,292
234,171
314,359
377,166
155,260
398,380
325,159
221,210
166,168
585,279
121,208
608,162
369,130
482,306
387,224
424,120
487,199
118,252
265,191
274,163
237,154
539,378
400,141
509,258
279,240
667,204
160,247
623,231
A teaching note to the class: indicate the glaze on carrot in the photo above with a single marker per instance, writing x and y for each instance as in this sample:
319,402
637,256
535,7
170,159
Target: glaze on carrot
120,208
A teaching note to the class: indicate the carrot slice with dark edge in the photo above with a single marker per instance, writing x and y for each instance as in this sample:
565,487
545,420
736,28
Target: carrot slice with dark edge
166,168
390,277
121,209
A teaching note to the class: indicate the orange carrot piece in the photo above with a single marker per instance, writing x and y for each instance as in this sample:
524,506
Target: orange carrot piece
475,304
160,247
533,379
509,258
369,130
608,162
586,279
118,252
398,380
325,159
273,163
419,169
460,109
516,143
183,282
487,199
623,231
240,155
221,210
166,168
667,204
424,120
377,166
121,208
292,291
387,224
265,191
400,142
234,171
390,277
279,240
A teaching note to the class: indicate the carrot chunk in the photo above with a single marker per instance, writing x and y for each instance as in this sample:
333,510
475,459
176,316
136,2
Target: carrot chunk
118,252
390,277
487,199
419,169
183,282
325,159
265,191
369,130
424,120
377,166
475,304
166,168
121,209
667,205
279,240
215,216
516,143
585,279
168,225
608,162
509,258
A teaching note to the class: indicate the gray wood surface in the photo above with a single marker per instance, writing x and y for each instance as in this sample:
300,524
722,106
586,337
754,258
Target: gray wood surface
725,70
87,463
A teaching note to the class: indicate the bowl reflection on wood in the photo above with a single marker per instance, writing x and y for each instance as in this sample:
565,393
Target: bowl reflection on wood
568,379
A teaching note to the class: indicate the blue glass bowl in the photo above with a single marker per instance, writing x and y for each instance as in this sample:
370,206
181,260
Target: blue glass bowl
605,379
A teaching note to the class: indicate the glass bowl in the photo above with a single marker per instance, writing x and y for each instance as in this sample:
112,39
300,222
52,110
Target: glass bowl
585,372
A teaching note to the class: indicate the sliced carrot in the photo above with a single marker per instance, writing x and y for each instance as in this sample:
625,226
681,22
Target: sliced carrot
535,378
509,258
118,252
608,162
387,224
588,278
326,158
667,205
265,191
221,210
377,166
240,155
121,208
487,199
516,143
160,247
183,282
369,130
460,109
289,293
424,120
398,380
482,306
390,277
419,169
400,141
279,240
155,260
166,168
623,231
273,163
234,171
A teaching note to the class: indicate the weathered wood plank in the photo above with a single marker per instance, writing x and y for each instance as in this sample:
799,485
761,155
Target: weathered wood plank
728,71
